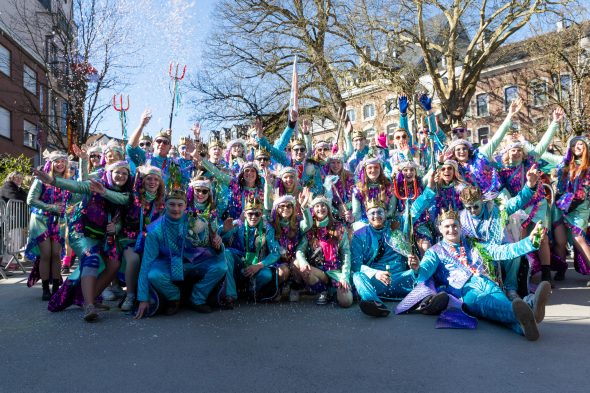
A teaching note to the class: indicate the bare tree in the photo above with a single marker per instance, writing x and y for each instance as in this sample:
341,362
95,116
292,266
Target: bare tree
249,58
84,50
455,37
562,59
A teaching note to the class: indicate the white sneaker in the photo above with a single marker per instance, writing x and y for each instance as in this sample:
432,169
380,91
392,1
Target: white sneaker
108,295
293,295
118,291
322,299
128,303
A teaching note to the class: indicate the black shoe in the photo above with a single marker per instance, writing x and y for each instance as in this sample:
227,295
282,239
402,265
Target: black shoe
546,276
374,309
202,308
559,276
172,308
434,305
46,295
227,303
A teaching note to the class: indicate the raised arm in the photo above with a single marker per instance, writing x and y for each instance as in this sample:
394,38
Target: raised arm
489,148
222,177
547,137
145,119
283,140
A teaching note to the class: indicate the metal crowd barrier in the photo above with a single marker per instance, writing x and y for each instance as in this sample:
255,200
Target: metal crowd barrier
14,225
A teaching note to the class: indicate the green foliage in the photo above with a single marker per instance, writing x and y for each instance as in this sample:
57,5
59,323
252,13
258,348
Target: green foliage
10,163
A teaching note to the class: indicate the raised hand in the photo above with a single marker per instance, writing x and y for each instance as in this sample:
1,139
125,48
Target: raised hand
228,224
97,187
146,116
515,107
425,102
402,102
80,153
197,131
532,176
44,177
306,127
293,115
558,114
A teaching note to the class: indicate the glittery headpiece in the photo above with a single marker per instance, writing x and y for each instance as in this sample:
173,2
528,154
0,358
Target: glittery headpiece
262,153
165,134
176,194
145,170
113,145
118,164
214,142
470,195
407,164
374,204
183,141
253,204
236,142
458,142
96,149
287,169
298,142
246,165
449,214
452,163
145,137
55,155
200,183
336,157
359,134
284,199
322,145
571,142
320,199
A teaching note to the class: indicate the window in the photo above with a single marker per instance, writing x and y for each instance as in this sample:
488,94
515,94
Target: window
482,105
565,86
368,111
483,134
370,133
30,134
391,129
510,94
29,79
539,91
4,122
351,114
41,98
390,105
64,117
4,60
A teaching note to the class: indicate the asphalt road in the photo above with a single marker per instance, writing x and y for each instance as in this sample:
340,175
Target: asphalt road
286,347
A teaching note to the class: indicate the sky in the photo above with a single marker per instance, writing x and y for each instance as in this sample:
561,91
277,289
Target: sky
170,30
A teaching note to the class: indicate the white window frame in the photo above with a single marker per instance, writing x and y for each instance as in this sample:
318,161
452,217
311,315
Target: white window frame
353,117
5,114
481,128
5,60
30,133
568,92
487,104
370,132
532,87
374,111
506,103
394,126
29,78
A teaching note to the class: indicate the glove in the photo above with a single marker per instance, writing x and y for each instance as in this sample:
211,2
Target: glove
425,101
403,104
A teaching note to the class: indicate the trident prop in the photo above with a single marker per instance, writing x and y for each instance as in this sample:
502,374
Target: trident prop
408,199
122,113
176,77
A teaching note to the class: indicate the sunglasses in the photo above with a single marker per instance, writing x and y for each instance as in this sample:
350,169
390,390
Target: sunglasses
262,159
203,191
300,150
323,149
475,207
447,168
253,214
95,156
162,141
288,206
459,130
401,137
145,144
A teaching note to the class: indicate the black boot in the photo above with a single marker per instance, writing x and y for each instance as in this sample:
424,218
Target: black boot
546,274
55,286
46,294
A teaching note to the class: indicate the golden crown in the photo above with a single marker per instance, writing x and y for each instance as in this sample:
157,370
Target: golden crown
214,142
165,134
470,195
449,214
359,134
374,204
146,137
253,204
176,194
262,153
183,140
